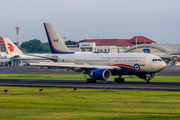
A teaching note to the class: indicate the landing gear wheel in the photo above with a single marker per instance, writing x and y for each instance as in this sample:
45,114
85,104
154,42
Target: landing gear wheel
93,81
87,81
116,80
147,80
122,80
90,80
119,80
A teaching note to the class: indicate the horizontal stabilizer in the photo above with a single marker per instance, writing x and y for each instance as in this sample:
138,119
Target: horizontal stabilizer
50,57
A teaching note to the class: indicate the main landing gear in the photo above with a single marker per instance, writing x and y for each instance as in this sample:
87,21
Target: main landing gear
90,80
119,80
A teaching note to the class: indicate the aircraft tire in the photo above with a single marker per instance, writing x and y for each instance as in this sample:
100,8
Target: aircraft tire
119,80
93,81
147,80
122,80
88,80
116,80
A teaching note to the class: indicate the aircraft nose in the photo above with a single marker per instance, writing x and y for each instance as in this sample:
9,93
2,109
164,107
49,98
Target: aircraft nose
163,65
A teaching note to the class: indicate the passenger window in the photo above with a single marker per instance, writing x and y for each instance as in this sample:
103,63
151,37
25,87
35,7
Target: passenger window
159,60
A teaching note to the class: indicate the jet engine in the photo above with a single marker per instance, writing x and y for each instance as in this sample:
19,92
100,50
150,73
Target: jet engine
101,74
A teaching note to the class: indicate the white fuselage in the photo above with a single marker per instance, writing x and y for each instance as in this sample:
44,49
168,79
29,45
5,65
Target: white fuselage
3,59
122,60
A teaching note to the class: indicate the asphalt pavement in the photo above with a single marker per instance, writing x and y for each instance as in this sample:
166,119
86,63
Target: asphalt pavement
153,86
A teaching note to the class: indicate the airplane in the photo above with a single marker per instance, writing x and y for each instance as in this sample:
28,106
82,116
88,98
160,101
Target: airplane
16,54
3,58
101,66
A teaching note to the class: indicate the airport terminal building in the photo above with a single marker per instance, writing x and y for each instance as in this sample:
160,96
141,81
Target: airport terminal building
165,51
144,45
109,45
2,45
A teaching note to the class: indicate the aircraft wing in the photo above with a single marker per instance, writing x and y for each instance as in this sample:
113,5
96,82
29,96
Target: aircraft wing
72,65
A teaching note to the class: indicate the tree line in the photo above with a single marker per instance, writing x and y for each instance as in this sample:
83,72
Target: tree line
36,46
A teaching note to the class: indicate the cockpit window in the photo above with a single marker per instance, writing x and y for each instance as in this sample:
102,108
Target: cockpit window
154,60
157,60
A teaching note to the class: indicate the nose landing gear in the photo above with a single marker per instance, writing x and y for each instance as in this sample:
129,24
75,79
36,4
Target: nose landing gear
147,78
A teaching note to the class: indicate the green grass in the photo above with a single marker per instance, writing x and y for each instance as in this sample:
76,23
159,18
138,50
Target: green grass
21,103
158,78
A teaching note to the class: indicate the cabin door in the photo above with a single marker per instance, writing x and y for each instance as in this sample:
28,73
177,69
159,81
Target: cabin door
142,60
109,61
68,58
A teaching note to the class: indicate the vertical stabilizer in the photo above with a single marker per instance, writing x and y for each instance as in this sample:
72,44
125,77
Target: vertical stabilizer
57,45
12,49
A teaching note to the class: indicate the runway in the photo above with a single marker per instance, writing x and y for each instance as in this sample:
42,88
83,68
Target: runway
153,86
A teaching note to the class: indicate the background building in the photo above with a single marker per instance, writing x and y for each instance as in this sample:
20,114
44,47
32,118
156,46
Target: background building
2,45
109,45
165,51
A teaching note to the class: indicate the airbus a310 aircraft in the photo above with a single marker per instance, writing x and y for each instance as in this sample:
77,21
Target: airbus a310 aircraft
101,66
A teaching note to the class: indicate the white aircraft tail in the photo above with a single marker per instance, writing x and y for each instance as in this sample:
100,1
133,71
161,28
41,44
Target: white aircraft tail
12,49
57,45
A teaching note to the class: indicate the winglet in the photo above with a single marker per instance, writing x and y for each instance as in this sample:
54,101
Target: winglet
57,45
12,49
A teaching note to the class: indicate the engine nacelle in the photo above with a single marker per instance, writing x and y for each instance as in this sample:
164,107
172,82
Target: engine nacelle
101,74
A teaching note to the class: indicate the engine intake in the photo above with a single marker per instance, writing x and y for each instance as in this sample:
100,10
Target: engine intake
101,74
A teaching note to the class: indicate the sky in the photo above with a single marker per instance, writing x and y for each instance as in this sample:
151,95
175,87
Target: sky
158,20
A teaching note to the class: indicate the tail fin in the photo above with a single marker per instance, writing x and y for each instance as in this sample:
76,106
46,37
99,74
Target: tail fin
57,45
12,49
